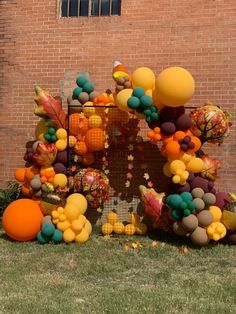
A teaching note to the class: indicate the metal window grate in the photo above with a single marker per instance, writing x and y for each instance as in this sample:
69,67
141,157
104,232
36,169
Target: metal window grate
76,8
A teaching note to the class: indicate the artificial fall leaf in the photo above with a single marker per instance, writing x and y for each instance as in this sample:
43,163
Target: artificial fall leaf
127,184
162,244
134,245
106,172
126,247
99,210
107,237
131,147
130,166
183,249
129,175
45,154
49,107
150,184
146,176
106,145
154,243
130,157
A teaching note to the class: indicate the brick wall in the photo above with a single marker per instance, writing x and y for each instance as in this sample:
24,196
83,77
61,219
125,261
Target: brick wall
38,47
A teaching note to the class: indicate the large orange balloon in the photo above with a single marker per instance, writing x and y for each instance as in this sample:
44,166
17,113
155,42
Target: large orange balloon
22,219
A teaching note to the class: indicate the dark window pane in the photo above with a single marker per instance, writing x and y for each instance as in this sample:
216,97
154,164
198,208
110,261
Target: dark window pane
105,10
64,4
95,7
115,8
73,8
83,8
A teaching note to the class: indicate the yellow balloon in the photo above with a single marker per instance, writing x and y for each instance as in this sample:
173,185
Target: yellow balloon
88,227
195,165
68,235
177,165
89,109
60,180
71,211
82,237
95,121
61,134
78,200
166,170
216,213
143,77
76,225
174,86
122,98
40,130
61,145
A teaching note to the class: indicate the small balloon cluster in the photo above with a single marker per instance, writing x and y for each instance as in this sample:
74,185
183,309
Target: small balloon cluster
113,224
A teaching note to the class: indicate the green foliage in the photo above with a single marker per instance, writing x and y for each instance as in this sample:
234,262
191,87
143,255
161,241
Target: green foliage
8,195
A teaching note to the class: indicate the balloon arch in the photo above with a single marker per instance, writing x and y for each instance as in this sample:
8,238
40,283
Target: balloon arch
59,180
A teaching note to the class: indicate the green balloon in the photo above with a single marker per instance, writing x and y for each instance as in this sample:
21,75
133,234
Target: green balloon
149,119
133,102
146,101
183,205
153,109
155,116
186,212
81,80
138,92
57,236
147,112
77,91
191,206
88,87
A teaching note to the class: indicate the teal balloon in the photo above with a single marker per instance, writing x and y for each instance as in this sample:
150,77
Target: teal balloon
176,214
186,196
147,112
42,239
48,230
133,102
138,92
57,236
52,131
88,87
153,109
53,138
145,101
81,80
174,200
47,137
77,91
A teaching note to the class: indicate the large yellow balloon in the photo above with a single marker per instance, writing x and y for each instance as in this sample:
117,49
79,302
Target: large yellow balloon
122,98
174,86
143,77
79,201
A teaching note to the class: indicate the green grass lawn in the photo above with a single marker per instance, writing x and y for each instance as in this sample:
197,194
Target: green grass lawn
102,277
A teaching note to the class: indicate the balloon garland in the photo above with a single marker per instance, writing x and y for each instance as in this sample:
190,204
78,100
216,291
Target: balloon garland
190,207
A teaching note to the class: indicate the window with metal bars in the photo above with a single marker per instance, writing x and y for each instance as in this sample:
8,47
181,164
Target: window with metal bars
76,8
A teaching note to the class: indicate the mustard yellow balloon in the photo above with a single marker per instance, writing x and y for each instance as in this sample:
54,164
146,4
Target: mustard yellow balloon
195,165
79,201
143,77
122,98
88,227
61,134
82,237
60,180
95,121
68,235
216,213
174,86
89,109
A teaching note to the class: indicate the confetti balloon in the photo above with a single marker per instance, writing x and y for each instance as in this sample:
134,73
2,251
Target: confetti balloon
210,124
93,184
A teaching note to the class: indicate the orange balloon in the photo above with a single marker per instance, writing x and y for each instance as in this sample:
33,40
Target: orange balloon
78,125
94,139
22,220
172,148
20,174
26,190
197,143
179,135
81,148
30,172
